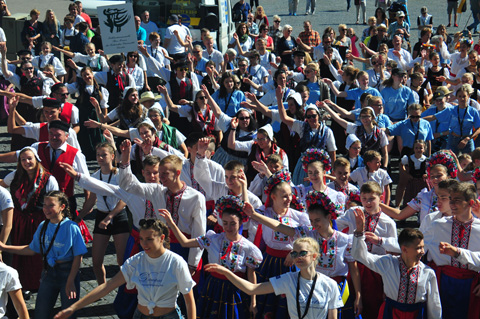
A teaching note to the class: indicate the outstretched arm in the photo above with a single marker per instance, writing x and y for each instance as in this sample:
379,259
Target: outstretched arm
335,116
269,222
281,109
182,239
242,284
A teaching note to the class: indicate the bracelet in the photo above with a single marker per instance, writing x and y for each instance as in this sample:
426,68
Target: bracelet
77,178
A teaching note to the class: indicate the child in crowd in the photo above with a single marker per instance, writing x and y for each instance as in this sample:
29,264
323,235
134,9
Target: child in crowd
409,285
413,170
265,170
458,282
341,171
373,172
380,237
60,242
354,147
309,292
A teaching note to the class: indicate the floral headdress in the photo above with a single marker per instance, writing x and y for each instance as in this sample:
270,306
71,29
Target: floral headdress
319,198
476,175
275,179
230,202
354,196
445,158
316,155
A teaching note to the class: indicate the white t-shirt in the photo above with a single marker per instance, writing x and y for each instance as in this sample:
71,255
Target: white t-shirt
106,203
325,296
361,176
5,203
8,282
174,46
157,280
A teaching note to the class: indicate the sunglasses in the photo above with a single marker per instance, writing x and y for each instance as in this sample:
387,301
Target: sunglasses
296,254
242,65
27,69
244,118
415,116
134,56
146,223
237,83
202,97
182,69
276,21
312,116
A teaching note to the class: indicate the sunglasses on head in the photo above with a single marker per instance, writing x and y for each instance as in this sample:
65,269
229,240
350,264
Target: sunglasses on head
311,116
296,254
146,223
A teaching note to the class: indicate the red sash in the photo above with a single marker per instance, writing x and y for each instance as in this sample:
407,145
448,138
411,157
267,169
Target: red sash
66,114
460,273
277,253
43,136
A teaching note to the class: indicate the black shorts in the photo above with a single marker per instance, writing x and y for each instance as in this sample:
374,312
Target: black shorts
118,225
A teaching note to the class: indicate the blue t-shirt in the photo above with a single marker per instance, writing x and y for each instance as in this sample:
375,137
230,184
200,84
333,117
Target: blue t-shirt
397,101
141,34
233,100
466,118
201,65
314,92
68,242
437,126
355,94
382,120
410,131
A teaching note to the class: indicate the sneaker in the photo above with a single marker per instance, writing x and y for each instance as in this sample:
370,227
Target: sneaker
289,13
307,13
313,13
449,25
295,14
456,25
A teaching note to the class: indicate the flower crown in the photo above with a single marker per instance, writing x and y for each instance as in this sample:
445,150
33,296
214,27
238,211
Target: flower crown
277,178
230,202
316,155
476,175
445,158
319,198
354,196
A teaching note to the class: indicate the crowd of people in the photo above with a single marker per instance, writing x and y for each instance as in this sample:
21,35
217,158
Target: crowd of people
251,182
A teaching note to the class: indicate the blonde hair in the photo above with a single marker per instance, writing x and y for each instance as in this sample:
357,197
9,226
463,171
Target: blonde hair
342,26
262,11
311,242
467,88
174,160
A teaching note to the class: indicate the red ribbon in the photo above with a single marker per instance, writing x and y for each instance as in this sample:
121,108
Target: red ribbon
227,252
324,246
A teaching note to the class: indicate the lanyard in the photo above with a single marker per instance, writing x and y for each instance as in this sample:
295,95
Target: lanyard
108,182
310,295
43,232
228,103
463,119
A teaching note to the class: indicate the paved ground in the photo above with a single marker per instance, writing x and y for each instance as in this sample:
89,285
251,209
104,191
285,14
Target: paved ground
327,14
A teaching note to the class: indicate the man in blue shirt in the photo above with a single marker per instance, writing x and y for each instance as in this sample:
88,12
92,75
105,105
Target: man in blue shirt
241,10
141,32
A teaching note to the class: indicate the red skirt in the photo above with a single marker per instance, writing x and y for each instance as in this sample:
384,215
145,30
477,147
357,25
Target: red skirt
372,292
23,228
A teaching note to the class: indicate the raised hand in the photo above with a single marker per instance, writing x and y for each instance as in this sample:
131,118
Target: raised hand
166,214
125,149
109,137
234,123
202,146
248,209
359,219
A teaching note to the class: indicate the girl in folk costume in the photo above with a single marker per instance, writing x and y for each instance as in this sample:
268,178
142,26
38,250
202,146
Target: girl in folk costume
335,260
158,274
309,294
93,60
441,166
458,282
276,259
381,237
28,186
259,149
316,163
409,285
200,114
45,58
111,217
313,133
59,241
370,135
219,298
90,94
